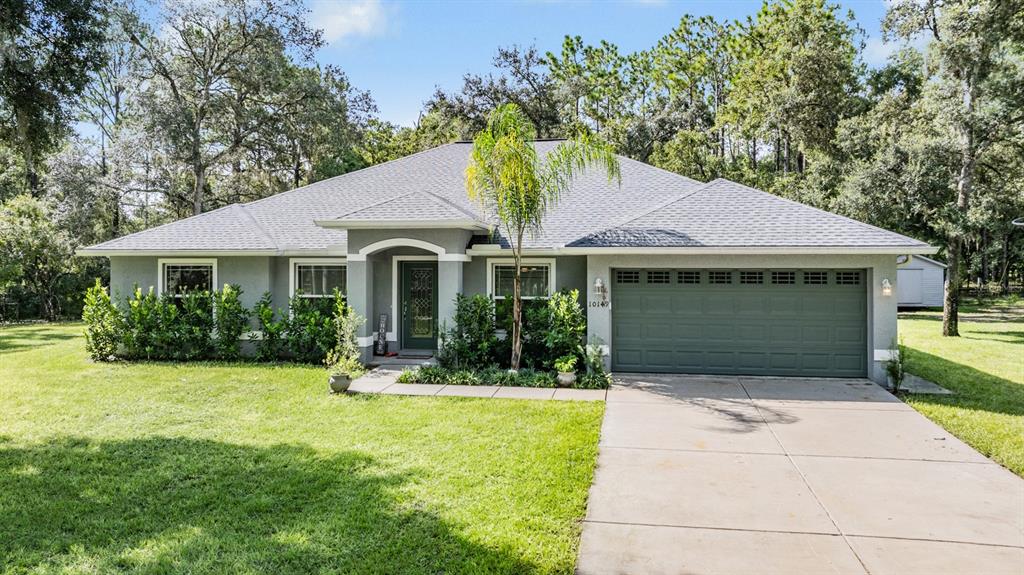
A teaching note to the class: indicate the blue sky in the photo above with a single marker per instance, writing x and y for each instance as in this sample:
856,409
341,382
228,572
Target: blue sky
400,51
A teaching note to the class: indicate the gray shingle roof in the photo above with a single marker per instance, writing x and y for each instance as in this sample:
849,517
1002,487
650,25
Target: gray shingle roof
651,207
723,213
412,206
228,228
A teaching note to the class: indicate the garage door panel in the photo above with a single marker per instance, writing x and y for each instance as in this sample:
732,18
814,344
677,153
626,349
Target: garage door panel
819,305
688,361
719,305
720,359
777,329
658,301
783,305
628,358
683,305
784,361
751,333
849,334
660,358
753,360
723,333
660,332
849,362
816,361
750,305
633,303
814,334
785,334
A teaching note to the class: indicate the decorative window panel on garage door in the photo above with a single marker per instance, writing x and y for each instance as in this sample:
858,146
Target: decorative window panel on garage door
754,322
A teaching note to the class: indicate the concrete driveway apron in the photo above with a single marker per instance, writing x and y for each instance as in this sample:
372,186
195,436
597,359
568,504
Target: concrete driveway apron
722,475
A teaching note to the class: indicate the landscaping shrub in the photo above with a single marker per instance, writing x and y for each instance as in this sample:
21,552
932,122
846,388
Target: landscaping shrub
142,325
272,330
103,324
431,375
567,325
200,325
531,378
463,377
593,358
231,319
310,331
471,343
191,326
552,328
489,376
593,381
345,356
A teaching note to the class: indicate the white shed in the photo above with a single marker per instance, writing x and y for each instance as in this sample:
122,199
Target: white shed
919,282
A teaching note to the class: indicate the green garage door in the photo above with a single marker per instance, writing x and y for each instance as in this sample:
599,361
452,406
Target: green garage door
753,322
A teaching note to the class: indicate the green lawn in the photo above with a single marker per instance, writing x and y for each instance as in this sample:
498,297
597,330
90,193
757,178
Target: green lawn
984,367
241,468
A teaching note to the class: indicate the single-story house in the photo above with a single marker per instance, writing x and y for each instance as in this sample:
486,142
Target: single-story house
677,275
920,282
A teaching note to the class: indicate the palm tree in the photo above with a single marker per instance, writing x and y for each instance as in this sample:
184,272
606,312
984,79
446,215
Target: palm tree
507,177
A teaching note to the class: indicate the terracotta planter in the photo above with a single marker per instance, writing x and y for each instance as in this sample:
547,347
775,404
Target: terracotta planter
566,379
339,383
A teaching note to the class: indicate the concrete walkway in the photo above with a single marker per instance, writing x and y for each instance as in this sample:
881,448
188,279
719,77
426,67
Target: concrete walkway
723,475
382,380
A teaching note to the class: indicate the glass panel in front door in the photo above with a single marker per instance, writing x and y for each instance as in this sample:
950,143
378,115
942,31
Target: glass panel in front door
421,302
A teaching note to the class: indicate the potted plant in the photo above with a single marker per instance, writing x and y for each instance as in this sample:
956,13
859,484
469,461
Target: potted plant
340,374
566,367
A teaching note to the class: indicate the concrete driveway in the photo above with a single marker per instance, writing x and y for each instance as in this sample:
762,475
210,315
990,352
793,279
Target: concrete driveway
786,475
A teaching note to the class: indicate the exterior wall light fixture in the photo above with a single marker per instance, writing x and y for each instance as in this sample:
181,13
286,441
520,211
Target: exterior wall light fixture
600,291
886,287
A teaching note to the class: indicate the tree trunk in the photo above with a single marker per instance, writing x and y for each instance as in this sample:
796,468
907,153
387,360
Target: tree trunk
1004,273
199,170
517,306
965,182
27,153
983,254
778,152
951,296
753,154
785,160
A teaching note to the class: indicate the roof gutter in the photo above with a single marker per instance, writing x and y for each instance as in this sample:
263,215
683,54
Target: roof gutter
711,250
90,252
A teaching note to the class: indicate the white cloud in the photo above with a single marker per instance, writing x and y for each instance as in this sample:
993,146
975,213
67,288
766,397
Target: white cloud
877,51
340,19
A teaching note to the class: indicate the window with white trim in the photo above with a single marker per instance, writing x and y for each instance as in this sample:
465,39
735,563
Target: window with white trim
535,280
179,278
318,280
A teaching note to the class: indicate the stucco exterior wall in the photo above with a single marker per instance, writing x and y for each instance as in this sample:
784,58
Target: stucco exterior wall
453,241
570,273
881,320
254,274
126,272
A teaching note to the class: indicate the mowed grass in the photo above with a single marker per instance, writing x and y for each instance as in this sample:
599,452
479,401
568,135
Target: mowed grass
985,369
244,468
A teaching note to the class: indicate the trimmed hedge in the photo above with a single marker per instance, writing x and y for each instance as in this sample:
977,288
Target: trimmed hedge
208,325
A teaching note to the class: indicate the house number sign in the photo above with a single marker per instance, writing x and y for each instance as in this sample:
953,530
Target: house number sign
601,304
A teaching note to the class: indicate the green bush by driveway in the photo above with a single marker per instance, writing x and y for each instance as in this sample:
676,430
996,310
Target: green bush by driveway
985,369
244,468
